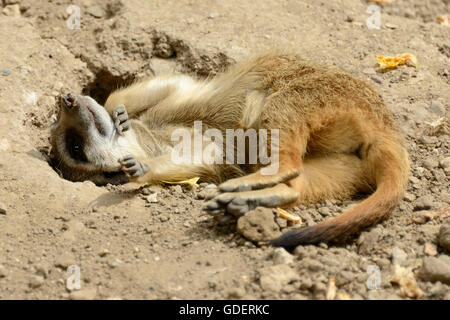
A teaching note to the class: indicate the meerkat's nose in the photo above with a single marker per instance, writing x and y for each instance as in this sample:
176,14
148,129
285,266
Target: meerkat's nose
69,101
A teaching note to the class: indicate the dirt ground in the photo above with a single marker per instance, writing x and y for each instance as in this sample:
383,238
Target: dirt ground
129,247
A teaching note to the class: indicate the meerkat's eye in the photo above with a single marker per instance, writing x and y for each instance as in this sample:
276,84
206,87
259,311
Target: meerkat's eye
74,143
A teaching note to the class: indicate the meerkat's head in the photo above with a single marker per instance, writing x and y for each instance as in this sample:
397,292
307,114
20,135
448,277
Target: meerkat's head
84,142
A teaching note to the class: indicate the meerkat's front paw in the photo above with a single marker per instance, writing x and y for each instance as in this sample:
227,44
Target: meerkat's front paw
132,167
121,121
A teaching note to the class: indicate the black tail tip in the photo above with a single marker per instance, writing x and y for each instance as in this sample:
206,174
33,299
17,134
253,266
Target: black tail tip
294,238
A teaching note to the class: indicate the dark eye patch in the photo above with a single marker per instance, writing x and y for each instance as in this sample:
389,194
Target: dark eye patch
75,145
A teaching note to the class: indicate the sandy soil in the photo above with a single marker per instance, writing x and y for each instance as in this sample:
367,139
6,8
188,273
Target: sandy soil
127,246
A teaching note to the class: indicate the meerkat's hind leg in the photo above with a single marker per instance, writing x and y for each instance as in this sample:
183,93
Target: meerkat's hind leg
121,121
257,180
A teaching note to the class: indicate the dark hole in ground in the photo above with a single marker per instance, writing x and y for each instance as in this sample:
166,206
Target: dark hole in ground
104,84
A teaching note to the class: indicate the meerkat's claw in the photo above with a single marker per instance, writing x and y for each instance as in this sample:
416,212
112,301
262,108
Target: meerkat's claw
121,121
132,167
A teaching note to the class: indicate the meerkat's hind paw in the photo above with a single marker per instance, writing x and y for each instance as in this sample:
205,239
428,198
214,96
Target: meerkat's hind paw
238,203
132,167
121,121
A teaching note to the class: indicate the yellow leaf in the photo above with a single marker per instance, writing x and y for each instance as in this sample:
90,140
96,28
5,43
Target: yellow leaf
190,182
400,59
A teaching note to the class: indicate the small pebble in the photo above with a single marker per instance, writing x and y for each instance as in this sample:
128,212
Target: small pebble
445,164
324,211
409,197
12,10
437,108
398,256
236,293
281,256
95,11
424,203
36,282
2,208
377,79
2,271
444,235
64,260
430,163
436,269
390,26
104,252
85,294
153,198
430,249
164,218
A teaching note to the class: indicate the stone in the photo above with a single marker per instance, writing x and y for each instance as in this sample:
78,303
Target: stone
344,277
85,294
275,278
236,293
391,26
436,269
104,253
176,189
12,10
300,252
152,198
409,197
368,240
64,260
444,235
319,289
376,79
430,163
430,249
281,256
258,225
313,264
424,203
445,164
3,271
2,208
398,256
96,11
36,282
324,211
437,108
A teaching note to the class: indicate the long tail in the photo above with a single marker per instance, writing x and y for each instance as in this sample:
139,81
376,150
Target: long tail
387,160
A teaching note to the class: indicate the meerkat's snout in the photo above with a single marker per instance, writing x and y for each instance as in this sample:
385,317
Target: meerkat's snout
85,113
68,101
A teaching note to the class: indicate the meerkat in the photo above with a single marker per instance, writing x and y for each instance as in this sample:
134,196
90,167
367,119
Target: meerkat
336,138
